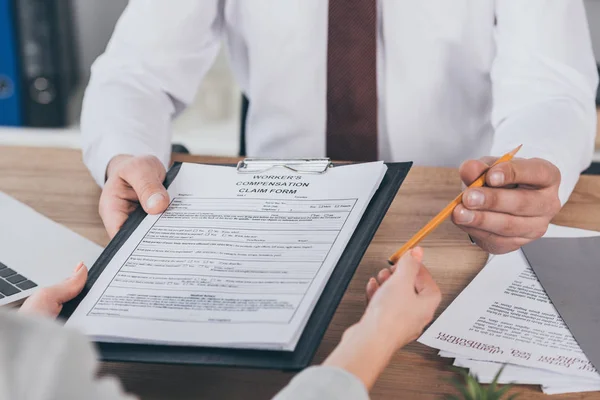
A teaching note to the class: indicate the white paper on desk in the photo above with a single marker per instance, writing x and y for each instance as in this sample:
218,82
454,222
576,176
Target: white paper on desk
504,315
551,382
238,260
486,372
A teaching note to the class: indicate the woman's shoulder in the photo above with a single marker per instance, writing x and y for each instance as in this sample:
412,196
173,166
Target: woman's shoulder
35,349
18,330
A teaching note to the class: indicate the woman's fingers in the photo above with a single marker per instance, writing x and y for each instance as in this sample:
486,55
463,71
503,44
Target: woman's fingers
49,301
372,287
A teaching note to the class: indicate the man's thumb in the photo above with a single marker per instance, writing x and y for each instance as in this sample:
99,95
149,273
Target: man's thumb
145,177
471,170
156,202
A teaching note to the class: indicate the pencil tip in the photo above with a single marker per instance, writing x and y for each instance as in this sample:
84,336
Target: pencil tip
391,262
516,150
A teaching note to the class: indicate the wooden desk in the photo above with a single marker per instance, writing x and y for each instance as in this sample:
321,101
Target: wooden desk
55,183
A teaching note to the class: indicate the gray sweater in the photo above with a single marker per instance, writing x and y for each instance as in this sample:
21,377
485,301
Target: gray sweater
40,360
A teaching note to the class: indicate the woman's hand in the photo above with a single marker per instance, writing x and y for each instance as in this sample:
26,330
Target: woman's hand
49,301
401,304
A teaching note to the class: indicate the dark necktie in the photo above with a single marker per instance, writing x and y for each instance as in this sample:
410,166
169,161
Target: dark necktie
352,80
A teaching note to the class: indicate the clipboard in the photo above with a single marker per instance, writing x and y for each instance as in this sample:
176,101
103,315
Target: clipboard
322,314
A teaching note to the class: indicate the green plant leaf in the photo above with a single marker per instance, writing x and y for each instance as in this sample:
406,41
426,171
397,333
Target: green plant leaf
452,397
497,376
494,383
460,386
474,388
471,389
501,392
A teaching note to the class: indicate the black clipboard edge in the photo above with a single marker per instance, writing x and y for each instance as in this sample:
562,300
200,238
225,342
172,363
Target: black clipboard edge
316,326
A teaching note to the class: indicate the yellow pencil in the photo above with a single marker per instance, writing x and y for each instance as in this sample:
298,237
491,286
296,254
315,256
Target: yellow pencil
445,213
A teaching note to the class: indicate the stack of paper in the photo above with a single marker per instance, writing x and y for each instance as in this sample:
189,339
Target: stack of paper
505,317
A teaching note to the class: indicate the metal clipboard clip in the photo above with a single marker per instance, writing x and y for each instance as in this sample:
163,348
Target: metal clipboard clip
298,165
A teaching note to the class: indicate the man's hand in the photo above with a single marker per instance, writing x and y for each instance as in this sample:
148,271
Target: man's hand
132,181
401,304
514,208
49,301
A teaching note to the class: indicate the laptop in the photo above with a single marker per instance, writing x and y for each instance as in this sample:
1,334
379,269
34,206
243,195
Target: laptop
35,251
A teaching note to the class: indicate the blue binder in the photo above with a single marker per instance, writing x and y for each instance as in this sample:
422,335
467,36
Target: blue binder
10,101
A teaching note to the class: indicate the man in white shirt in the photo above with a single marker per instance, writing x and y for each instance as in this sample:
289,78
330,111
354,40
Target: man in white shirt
432,81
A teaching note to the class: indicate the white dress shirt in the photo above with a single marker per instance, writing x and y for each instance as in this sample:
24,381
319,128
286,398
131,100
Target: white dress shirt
456,79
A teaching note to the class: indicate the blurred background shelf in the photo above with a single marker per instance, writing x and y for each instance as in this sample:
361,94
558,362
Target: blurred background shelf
211,139
211,125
